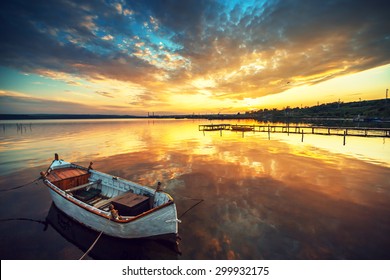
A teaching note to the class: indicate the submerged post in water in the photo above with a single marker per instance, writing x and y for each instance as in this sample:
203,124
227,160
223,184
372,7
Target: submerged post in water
269,133
345,135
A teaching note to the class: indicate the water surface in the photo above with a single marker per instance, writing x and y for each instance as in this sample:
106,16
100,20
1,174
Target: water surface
262,199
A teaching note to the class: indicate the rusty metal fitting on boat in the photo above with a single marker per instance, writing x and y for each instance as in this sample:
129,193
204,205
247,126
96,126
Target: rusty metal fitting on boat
158,189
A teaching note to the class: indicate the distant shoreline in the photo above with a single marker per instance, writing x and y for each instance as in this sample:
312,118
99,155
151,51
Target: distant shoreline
63,116
314,120
373,111
96,117
359,111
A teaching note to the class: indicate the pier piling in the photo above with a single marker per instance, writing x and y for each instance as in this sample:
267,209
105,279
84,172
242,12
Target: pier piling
269,133
345,135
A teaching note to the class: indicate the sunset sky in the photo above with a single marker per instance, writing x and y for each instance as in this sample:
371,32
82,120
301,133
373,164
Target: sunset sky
192,56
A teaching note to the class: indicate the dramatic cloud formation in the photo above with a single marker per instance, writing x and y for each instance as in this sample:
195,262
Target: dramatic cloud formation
190,52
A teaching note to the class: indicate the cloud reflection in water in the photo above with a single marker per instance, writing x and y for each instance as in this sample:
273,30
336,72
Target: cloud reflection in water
263,199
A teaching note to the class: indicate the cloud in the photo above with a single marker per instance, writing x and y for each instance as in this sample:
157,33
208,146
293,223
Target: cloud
11,102
148,100
118,7
32,105
243,49
105,94
108,37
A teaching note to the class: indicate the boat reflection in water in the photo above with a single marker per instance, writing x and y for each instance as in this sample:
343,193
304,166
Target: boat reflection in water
111,248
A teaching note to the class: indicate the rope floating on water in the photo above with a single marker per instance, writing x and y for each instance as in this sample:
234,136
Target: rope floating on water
193,206
91,247
94,243
24,219
22,186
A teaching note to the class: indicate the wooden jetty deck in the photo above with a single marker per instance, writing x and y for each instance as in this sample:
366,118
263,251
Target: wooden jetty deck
214,127
300,129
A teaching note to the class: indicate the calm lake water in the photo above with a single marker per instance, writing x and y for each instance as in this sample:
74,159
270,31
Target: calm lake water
262,199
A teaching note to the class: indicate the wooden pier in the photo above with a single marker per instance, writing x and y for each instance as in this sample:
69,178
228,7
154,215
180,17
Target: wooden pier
214,127
299,129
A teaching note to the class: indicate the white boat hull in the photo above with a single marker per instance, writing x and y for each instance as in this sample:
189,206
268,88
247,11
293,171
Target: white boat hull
161,219
160,222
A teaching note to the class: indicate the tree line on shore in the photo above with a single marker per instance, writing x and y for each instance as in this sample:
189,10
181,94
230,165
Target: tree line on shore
358,110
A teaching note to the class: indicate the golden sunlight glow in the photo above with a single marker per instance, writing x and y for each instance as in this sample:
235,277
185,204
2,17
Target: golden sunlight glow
213,93
346,88
204,83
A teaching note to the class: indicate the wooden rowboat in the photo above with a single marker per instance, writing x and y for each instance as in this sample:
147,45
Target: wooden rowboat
109,204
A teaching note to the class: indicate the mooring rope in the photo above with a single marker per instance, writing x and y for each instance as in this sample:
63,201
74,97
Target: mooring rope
94,243
22,186
193,206
24,219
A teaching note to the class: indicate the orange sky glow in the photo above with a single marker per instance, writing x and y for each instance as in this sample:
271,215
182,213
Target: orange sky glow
120,57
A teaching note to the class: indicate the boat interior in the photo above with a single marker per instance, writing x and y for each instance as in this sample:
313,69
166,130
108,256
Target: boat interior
102,190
